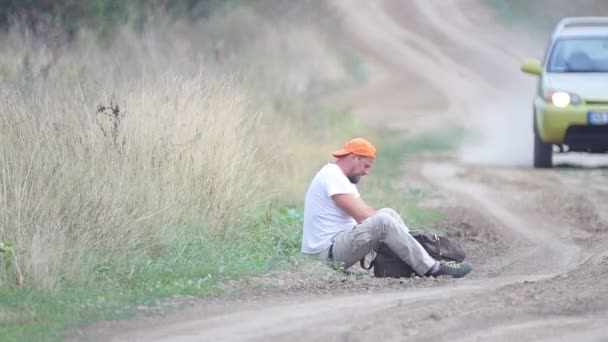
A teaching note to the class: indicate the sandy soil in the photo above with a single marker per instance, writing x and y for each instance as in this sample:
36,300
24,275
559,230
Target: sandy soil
538,238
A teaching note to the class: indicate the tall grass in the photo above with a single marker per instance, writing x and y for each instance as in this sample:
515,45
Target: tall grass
124,151
71,188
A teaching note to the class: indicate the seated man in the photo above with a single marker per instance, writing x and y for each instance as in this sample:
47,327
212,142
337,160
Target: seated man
340,228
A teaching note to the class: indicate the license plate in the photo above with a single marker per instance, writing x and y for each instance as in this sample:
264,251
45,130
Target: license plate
598,118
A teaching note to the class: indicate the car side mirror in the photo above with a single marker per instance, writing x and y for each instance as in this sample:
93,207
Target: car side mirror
532,66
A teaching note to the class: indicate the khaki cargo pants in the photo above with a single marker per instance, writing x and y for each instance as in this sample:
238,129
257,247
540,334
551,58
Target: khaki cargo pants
386,226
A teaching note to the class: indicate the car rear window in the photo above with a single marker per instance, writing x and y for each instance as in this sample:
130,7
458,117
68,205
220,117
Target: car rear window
579,55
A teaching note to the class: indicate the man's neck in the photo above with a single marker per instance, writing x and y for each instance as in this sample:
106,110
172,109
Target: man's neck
341,165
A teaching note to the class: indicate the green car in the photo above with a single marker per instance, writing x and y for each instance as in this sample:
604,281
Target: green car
571,104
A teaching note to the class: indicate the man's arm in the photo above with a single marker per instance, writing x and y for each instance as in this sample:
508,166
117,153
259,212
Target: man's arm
354,206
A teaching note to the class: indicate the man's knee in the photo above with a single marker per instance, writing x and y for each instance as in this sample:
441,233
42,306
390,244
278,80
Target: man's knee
390,211
395,216
382,224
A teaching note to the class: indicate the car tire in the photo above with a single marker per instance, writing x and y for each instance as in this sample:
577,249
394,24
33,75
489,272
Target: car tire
543,153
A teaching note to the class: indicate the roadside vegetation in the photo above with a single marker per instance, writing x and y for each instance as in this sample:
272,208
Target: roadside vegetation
157,161
542,15
146,159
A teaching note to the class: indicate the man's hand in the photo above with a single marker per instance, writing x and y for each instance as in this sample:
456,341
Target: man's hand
354,206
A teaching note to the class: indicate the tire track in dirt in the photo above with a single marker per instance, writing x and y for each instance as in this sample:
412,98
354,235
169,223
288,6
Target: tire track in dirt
551,254
548,288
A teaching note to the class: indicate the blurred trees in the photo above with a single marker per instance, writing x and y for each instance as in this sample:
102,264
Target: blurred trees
546,13
44,17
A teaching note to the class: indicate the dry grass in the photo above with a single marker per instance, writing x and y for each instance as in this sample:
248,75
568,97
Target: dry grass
123,150
183,147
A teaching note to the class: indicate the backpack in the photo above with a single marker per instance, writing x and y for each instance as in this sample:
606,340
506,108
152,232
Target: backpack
388,264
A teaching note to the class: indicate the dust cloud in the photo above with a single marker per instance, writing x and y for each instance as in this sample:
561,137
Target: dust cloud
500,133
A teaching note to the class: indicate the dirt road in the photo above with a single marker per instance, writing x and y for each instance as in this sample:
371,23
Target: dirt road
537,237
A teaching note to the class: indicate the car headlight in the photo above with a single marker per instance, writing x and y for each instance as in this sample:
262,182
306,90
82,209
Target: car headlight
562,99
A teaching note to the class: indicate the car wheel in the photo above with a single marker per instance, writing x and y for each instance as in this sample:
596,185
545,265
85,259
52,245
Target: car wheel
543,153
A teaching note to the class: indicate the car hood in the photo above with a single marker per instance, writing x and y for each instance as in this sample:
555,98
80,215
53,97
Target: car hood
589,86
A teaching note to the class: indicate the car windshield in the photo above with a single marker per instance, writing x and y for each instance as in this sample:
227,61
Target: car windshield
579,55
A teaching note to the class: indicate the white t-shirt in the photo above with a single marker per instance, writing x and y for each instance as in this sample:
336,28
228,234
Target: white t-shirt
323,219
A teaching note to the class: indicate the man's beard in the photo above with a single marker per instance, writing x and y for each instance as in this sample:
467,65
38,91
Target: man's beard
353,179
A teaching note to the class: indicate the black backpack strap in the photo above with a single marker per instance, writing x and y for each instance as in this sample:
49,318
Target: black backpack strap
371,264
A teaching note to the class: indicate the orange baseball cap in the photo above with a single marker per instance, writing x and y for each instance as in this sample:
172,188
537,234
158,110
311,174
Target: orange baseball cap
357,146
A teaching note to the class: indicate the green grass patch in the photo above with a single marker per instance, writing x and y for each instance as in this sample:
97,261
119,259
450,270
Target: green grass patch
345,120
523,13
541,16
193,268
505,8
355,68
510,10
